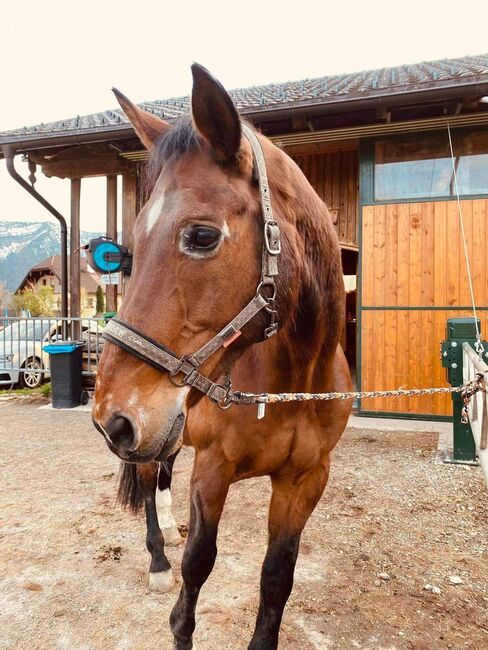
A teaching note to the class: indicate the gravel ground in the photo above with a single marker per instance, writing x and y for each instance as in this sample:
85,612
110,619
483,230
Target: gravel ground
73,567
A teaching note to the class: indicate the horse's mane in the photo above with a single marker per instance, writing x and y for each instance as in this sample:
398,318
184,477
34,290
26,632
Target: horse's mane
319,305
318,316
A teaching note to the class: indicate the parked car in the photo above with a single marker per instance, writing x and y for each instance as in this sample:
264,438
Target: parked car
23,361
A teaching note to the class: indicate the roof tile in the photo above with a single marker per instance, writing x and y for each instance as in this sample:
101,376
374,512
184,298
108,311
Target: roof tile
291,93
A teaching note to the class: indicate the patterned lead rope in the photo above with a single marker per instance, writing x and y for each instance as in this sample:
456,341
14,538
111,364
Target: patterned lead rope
467,391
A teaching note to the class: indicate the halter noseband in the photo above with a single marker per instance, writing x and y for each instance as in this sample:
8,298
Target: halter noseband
160,357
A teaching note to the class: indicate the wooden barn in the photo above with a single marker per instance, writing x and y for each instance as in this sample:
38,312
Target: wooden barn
375,145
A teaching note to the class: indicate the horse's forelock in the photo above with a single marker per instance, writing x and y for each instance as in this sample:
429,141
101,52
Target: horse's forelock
183,138
180,139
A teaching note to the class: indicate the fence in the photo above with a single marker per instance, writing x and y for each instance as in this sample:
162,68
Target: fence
478,405
22,339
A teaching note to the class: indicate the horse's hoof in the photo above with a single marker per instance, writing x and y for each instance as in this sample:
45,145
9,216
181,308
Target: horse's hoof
172,536
162,581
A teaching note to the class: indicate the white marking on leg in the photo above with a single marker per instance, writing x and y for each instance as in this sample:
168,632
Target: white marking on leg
154,213
163,505
166,520
162,581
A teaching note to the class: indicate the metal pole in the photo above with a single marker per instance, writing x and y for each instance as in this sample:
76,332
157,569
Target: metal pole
74,258
9,153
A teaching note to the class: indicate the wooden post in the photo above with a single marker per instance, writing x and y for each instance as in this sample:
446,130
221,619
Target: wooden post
74,255
129,213
129,208
111,290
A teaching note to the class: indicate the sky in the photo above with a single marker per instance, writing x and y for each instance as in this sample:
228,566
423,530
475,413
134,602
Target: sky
60,59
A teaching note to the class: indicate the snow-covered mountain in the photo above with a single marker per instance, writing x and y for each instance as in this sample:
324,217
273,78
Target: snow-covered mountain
23,244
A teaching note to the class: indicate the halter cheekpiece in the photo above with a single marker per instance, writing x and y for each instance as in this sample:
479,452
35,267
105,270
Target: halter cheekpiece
183,370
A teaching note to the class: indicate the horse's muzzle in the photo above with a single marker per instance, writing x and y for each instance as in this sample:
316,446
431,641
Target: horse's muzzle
122,439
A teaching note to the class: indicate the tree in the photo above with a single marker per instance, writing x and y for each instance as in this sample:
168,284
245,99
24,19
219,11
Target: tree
3,297
37,301
100,307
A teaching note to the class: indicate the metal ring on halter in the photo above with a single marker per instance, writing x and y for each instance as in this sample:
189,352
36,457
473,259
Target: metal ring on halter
267,283
226,403
175,373
173,380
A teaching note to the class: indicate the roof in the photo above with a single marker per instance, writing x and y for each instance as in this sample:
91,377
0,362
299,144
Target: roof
338,88
90,280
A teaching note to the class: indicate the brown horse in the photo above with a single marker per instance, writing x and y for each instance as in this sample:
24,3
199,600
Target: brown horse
198,259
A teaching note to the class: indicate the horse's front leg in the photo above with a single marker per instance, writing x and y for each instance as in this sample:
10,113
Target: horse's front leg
293,500
166,520
208,491
160,574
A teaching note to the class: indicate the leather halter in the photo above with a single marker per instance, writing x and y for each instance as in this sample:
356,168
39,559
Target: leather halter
160,357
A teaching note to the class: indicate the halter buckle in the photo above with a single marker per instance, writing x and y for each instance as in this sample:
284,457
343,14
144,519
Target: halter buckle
272,238
228,398
186,373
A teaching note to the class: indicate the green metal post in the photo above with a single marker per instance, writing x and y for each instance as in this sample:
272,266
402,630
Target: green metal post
459,330
463,448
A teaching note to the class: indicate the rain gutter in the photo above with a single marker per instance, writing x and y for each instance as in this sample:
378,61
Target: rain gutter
9,154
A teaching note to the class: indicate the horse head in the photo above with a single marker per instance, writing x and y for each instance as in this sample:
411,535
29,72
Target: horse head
197,262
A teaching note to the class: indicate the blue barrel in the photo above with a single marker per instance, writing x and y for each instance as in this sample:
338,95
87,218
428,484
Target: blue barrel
65,361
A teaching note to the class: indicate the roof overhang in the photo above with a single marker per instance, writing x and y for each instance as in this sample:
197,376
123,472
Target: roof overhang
443,91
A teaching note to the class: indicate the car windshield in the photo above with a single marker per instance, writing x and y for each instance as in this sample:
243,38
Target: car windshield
25,331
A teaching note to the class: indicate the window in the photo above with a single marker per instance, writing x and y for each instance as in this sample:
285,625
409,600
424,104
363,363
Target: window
421,166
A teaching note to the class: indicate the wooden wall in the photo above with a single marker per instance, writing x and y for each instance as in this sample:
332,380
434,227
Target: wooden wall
413,261
334,176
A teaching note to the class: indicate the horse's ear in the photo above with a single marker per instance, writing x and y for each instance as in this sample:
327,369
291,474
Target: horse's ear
214,114
148,127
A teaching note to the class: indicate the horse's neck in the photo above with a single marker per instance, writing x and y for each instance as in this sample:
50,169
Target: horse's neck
281,364
301,356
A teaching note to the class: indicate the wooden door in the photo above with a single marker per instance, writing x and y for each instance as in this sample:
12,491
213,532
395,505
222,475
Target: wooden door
413,278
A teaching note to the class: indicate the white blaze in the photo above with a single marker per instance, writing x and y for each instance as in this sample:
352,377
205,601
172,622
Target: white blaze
225,230
154,213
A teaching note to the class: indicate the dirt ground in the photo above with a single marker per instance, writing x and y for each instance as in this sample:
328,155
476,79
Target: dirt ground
73,567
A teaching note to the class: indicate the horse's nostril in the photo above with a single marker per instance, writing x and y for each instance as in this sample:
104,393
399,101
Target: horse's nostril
121,433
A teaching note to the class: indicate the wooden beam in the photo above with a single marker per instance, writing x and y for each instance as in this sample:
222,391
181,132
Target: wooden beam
129,208
81,161
111,290
74,255
129,214
101,165
322,147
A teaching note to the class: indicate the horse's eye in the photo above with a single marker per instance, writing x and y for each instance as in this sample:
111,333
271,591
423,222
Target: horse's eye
202,238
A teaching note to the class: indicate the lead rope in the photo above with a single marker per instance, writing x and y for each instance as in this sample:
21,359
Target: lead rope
261,399
478,344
